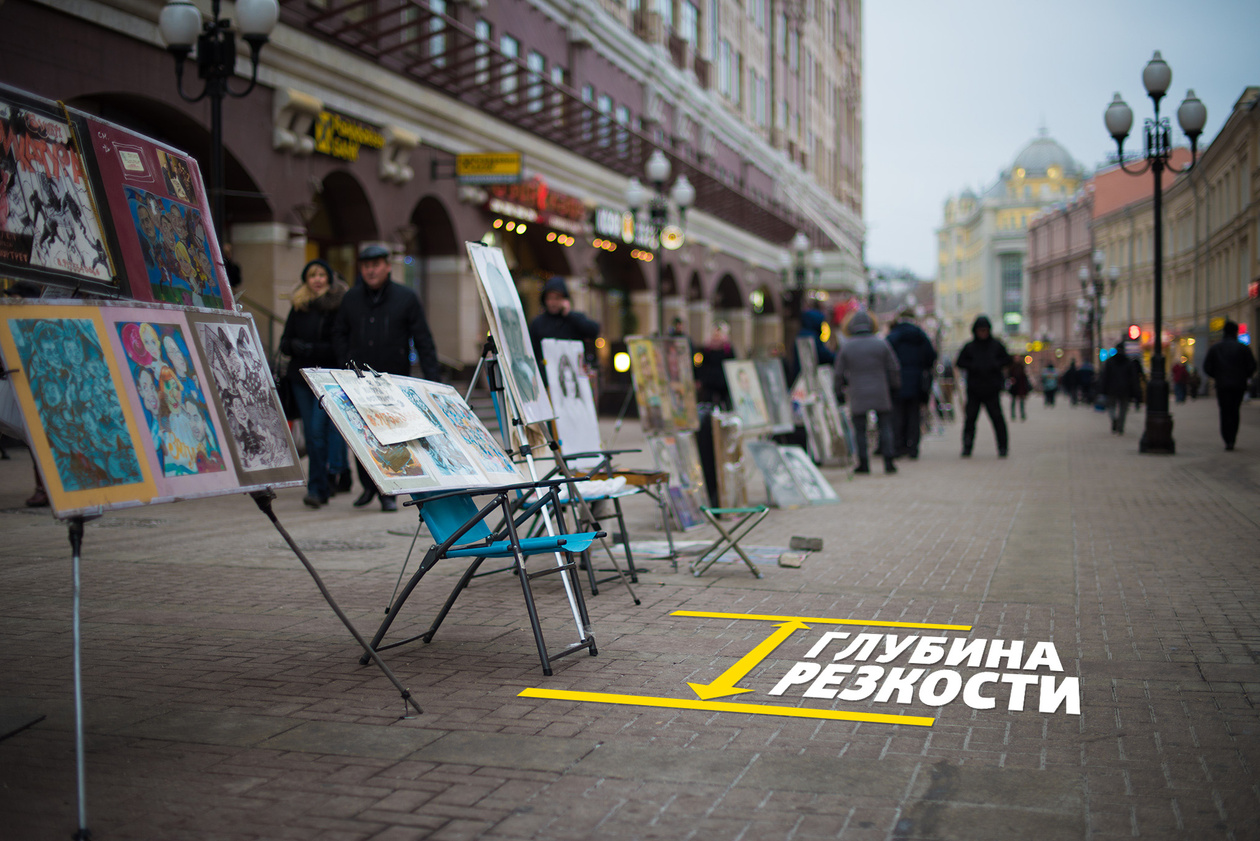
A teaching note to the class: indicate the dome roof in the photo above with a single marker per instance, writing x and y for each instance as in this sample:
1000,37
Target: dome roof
1042,153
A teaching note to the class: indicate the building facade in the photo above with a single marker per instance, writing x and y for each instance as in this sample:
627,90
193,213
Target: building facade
982,244
352,134
1060,244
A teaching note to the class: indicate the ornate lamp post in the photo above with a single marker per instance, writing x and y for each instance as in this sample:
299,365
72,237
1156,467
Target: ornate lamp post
1091,307
662,235
181,26
1192,115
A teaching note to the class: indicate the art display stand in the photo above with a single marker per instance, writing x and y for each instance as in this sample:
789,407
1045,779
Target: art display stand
80,758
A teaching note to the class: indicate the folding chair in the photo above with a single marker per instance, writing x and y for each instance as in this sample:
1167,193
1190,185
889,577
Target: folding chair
748,520
458,524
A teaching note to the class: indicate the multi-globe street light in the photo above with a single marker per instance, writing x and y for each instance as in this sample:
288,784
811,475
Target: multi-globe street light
1093,303
181,26
661,235
1192,115
795,263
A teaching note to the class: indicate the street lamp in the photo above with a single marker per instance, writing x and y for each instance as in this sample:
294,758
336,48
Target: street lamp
1192,115
181,27
1091,307
661,234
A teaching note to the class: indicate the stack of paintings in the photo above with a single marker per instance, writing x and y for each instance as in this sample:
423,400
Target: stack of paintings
792,479
824,420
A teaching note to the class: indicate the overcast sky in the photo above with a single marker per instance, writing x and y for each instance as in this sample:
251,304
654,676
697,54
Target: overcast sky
954,90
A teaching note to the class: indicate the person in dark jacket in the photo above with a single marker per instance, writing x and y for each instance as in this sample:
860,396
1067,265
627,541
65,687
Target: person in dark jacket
378,322
917,357
710,374
307,339
868,373
1019,386
984,359
558,320
1121,383
1231,364
812,321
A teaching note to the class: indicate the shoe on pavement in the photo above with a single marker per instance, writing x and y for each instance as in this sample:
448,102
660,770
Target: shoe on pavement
344,482
311,501
367,496
1001,453
889,467
39,499
966,453
388,503
862,468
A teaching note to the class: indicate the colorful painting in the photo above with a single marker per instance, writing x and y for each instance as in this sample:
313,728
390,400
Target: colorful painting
245,395
447,456
680,381
746,397
679,456
49,228
577,424
510,331
651,387
463,423
386,411
157,215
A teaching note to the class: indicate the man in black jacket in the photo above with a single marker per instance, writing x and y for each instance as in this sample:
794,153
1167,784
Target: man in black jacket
984,358
1231,364
558,319
917,357
1121,382
377,322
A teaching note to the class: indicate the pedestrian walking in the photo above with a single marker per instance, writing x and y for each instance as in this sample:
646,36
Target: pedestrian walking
1085,382
984,359
559,320
1230,363
1121,383
308,340
1069,382
710,375
1018,385
1180,380
378,322
1050,383
917,357
867,373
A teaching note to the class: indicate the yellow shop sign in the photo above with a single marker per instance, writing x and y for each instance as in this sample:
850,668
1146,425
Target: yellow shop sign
340,137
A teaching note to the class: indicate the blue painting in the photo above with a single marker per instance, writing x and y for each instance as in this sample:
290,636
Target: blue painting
175,248
78,406
447,458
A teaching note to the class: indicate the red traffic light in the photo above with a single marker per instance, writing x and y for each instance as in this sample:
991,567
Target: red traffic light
1135,332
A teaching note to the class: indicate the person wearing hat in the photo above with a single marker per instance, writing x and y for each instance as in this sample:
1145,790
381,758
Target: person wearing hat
867,373
378,322
558,319
307,339
985,360
917,357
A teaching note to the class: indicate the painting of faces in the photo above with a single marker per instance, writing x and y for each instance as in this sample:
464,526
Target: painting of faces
680,381
781,485
746,397
506,317
576,421
651,388
172,399
78,407
259,435
48,227
814,485
176,250
474,435
774,389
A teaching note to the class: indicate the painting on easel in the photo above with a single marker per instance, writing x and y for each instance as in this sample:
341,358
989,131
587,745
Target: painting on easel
577,424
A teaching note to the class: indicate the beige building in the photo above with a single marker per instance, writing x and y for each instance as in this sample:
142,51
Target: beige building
982,244
1211,231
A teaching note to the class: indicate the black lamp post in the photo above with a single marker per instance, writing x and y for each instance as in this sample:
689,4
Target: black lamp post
662,235
1094,303
181,27
1192,115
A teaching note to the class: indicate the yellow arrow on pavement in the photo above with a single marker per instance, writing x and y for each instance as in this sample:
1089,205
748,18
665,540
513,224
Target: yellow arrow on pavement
725,684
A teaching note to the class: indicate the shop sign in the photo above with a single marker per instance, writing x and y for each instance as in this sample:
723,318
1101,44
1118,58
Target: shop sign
341,137
489,168
534,201
620,225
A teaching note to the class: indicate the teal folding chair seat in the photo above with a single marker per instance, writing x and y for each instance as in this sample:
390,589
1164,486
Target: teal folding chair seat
456,521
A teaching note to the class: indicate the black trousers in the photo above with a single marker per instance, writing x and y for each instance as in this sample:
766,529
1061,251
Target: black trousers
365,479
907,422
992,404
1229,400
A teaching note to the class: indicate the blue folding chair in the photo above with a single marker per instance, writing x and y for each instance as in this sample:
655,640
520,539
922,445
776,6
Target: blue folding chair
458,524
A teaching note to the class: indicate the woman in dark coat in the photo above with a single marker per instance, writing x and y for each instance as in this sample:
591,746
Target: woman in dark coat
307,339
1019,386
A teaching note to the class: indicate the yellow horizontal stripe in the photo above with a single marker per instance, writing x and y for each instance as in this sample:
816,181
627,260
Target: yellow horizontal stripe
818,620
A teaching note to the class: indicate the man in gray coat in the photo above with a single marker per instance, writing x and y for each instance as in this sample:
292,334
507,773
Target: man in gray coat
867,372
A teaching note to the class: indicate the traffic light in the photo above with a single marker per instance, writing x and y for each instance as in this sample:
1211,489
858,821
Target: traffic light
1135,332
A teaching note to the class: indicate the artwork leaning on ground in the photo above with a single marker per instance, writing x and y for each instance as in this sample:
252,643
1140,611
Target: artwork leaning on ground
775,391
679,455
782,487
460,454
508,327
121,409
577,423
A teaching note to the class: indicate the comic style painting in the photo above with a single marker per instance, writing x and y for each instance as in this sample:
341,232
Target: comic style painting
172,399
506,317
447,456
257,433
161,225
393,461
577,424
49,228
78,406
462,422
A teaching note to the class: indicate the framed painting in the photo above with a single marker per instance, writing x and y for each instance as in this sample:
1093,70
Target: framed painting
244,395
577,424
83,434
781,485
506,317
774,388
680,381
651,388
51,230
838,445
728,455
464,426
814,485
155,208
746,397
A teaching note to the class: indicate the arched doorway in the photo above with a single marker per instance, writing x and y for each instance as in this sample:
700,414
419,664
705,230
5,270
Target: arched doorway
628,307
435,267
338,219
729,306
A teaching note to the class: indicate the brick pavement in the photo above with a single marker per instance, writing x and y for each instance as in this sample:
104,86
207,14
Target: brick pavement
225,700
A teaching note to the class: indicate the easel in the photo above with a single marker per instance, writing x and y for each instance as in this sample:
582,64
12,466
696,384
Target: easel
512,433
80,759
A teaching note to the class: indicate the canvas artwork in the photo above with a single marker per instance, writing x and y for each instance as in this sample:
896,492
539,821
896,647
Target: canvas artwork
782,488
814,485
157,215
679,456
774,389
839,441
81,430
464,425
245,396
49,227
444,451
577,424
680,381
502,304
651,388
384,408
746,397
728,454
